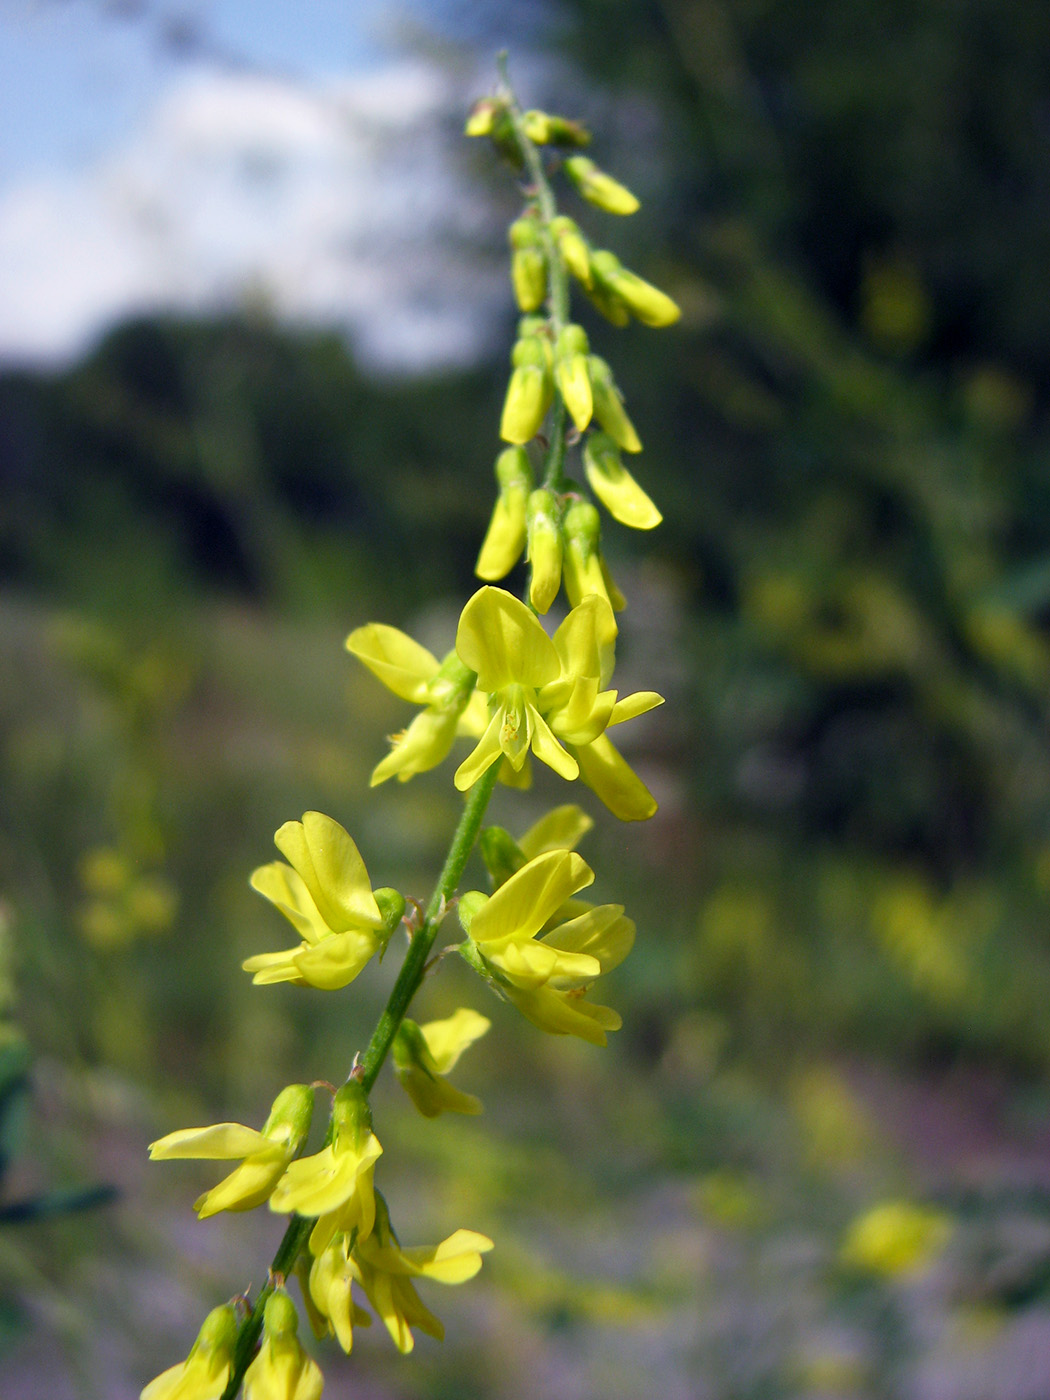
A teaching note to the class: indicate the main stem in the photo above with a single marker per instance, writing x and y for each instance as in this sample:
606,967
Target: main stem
371,1062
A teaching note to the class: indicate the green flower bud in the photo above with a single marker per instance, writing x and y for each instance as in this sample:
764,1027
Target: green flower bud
544,555
571,374
501,853
483,116
573,247
528,263
651,306
537,127
468,906
533,326
608,406
391,907
529,392
505,538
614,485
598,188
582,560
292,1111
280,1318
351,1114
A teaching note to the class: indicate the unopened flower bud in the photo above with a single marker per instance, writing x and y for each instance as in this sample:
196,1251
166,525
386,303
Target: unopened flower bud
351,1114
598,188
206,1370
502,855
505,538
392,908
614,485
571,374
483,116
528,393
537,126
528,264
651,306
573,247
290,1115
467,906
608,406
544,535
582,559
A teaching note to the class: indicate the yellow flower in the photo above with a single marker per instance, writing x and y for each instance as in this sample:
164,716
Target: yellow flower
895,1237
265,1154
326,895
204,1373
331,1274
282,1370
335,1184
423,1055
545,974
543,693
413,673
385,1271
651,306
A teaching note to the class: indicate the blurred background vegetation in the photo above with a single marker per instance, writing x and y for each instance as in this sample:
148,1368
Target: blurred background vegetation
816,1160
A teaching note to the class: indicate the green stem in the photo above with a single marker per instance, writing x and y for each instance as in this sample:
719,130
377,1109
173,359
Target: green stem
367,1070
411,974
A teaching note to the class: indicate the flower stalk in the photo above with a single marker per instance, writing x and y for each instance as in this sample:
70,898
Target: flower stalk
524,696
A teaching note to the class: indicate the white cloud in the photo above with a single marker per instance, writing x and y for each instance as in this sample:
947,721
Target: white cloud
338,205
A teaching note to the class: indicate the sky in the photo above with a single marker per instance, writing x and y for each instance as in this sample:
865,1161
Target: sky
158,155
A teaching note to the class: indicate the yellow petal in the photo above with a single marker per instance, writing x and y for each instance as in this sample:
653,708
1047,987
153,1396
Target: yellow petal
500,639
547,749
560,829
336,960
482,757
218,1142
563,1013
524,903
446,1040
606,772
424,744
603,932
246,1187
637,704
287,891
331,867
400,663
615,487
321,1183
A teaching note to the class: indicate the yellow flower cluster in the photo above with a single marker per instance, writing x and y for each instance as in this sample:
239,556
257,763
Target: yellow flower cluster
518,692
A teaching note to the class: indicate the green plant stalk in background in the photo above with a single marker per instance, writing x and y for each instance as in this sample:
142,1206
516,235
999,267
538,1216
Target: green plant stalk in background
522,695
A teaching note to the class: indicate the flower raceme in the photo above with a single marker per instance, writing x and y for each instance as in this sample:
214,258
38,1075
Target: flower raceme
325,893
541,949
264,1155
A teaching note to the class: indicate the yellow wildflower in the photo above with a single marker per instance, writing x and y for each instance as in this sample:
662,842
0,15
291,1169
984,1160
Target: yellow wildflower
423,1055
413,673
326,895
385,1272
543,692
265,1154
546,976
